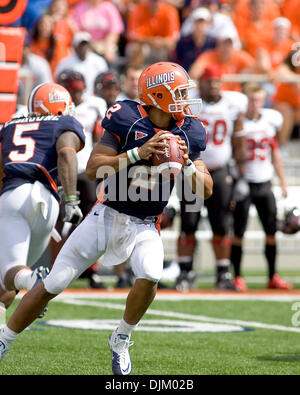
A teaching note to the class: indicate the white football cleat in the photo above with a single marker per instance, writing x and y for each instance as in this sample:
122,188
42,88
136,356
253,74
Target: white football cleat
121,362
38,275
3,348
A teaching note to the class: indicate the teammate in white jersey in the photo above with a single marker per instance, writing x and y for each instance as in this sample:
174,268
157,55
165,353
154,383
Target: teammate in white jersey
261,127
222,116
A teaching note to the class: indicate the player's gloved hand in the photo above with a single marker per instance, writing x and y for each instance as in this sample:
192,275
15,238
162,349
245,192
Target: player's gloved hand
240,190
73,212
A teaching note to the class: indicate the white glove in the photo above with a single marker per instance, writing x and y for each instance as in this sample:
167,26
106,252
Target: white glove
73,212
240,190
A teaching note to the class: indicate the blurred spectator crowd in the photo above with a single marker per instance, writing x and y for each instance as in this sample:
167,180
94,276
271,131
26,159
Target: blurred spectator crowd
257,40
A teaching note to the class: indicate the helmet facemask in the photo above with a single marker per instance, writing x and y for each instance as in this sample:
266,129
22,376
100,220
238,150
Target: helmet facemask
70,109
181,101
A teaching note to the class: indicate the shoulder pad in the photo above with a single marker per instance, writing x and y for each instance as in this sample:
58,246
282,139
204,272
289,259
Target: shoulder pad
238,100
273,116
121,116
70,123
196,134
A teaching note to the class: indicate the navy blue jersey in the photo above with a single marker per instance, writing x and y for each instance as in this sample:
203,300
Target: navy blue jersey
29,149
138,190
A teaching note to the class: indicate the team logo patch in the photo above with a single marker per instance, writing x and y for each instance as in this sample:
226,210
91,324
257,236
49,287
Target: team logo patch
38,103
57,97
160,79
140,135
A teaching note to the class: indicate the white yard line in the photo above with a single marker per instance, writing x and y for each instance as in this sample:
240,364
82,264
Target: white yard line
174,296
251,324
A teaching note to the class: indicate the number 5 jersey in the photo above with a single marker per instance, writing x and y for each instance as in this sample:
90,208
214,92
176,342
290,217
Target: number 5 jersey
28,148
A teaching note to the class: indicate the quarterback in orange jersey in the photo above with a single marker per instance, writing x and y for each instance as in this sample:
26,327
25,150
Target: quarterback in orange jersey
124,226
35,151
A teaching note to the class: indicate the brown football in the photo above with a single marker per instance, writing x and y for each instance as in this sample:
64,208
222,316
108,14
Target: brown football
170,163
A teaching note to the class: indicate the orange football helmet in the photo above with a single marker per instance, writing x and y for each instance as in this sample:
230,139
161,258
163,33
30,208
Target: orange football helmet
50,99
166,86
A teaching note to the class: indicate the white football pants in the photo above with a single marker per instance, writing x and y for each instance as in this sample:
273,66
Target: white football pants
116,236
28,215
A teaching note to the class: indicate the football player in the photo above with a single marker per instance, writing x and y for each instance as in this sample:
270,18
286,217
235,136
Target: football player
261,127
222,116
35,150
125,224
89,110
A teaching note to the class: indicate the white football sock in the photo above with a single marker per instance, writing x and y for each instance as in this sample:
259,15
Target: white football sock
23,279
125,328
7,335
223,262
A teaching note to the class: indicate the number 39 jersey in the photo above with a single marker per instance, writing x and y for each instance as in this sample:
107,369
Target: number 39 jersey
261,140
218,119
137,189
29,149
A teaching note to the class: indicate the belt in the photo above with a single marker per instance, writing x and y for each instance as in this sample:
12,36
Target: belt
151,219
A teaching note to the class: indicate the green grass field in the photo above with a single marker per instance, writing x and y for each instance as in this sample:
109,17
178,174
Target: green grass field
219,335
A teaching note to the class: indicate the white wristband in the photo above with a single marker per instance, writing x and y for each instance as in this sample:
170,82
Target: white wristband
239,133
133,155
190,169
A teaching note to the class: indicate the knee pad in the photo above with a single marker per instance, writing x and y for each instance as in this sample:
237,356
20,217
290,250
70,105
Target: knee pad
59,278
155,277
150,272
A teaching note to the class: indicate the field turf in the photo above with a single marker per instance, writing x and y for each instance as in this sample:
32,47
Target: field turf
256,333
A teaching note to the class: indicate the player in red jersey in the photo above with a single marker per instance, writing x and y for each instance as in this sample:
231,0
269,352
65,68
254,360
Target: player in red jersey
222,114
261,127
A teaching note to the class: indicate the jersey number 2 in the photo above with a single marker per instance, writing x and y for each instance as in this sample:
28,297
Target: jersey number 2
116,107
27,142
